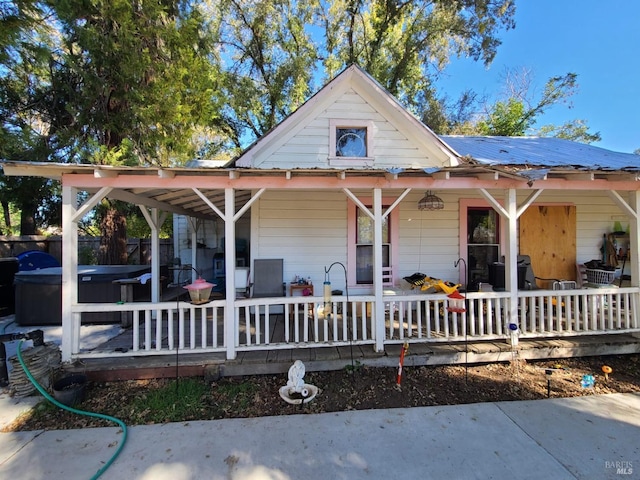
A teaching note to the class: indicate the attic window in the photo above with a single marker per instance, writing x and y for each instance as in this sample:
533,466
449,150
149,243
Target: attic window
350,143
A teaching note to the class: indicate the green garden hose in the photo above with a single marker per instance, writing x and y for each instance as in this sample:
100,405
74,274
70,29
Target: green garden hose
46,395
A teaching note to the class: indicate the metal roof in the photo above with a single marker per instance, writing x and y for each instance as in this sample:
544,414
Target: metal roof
541,152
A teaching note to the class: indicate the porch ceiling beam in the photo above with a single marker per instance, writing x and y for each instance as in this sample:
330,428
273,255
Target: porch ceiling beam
149,202
527,203
441,175
248,182
586,176
166,174
170,195
209,203
357,201
105,174
89,204
622,203
492,176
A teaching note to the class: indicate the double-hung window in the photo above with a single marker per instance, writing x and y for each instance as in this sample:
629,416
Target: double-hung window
361,246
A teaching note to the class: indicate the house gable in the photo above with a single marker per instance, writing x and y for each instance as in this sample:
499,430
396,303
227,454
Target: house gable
306,139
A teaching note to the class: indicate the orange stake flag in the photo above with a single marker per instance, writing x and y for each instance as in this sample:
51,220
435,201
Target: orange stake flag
402,354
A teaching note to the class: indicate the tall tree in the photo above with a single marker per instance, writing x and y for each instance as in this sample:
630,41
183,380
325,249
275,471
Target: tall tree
139,78
405,44
270,60
27,110
139,86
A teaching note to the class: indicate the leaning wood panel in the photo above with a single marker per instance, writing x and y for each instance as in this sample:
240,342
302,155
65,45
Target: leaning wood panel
548,236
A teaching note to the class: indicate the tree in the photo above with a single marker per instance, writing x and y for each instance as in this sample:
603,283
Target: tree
403,45
271,63
275,50
138,79
518,110
138,86
28,113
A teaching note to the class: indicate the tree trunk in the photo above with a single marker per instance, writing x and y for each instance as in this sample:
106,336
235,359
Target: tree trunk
7,216
113,244
27,219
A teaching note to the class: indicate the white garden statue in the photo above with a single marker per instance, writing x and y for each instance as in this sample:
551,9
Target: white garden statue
296,391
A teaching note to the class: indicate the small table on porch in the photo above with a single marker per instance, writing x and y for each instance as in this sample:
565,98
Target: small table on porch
300,289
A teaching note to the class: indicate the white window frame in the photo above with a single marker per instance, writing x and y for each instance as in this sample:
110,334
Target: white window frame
334,160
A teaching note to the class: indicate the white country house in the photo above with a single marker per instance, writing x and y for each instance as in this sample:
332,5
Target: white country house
340,183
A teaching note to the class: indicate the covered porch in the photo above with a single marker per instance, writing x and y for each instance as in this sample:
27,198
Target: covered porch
381,316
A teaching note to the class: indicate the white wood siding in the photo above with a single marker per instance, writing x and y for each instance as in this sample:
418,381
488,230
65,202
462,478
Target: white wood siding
305,228
309,146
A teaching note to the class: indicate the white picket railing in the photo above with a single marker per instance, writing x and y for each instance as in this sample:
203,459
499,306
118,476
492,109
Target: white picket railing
427,317
579,312
539,314
301,322
159,328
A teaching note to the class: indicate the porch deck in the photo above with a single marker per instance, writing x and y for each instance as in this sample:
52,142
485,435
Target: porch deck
278,361
264,336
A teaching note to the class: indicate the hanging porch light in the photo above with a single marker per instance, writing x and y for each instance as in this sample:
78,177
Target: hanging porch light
430,202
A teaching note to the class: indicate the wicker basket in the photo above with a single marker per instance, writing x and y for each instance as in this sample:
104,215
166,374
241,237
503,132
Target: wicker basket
600,277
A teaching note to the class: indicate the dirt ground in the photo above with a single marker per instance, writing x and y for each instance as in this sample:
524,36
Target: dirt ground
356,389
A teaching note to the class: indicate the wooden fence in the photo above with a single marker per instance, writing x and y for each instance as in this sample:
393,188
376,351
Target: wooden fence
138,249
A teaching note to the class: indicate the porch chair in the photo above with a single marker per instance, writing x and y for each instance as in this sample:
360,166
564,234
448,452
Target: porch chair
268,280
242,282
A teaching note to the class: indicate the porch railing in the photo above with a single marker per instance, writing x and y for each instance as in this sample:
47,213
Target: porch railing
301,322
158,328
539,313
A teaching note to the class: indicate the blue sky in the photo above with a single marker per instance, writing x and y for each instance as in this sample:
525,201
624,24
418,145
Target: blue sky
599,41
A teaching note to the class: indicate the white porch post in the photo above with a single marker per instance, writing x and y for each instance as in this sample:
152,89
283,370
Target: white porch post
377,268
230,272
155,222
70,329
511,253
634,238
193,224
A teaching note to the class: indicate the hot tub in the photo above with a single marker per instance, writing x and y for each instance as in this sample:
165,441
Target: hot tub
39,292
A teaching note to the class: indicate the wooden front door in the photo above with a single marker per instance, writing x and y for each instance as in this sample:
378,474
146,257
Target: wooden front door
548,236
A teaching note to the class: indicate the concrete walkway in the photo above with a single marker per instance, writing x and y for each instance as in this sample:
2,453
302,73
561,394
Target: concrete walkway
590,437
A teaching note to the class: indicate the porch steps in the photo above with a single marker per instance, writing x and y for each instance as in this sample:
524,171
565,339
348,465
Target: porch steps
336,358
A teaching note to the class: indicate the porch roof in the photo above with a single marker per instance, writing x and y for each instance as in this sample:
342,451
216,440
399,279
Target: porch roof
547,152
486,162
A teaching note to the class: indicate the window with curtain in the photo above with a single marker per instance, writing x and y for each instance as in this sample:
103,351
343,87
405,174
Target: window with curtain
364,247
